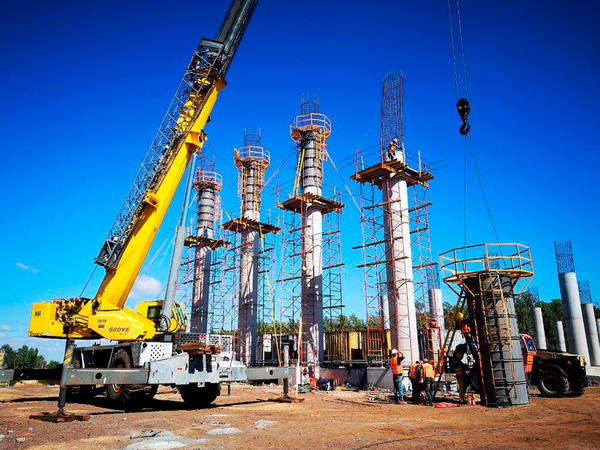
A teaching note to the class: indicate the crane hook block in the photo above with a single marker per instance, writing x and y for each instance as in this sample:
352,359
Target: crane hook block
464,108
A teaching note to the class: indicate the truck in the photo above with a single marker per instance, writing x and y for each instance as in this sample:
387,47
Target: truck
556,374
149,346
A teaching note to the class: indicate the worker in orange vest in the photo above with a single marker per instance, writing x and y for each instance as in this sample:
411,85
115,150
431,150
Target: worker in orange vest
428,376
397,371
414,375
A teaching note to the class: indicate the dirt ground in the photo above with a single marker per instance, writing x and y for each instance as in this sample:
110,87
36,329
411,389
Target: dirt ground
337,419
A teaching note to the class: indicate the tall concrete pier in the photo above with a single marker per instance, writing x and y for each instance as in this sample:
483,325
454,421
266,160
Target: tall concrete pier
207,185
569,293
252,160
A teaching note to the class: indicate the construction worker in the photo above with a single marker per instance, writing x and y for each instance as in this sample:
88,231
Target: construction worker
428,376
397,371
391,150
460,371
414,375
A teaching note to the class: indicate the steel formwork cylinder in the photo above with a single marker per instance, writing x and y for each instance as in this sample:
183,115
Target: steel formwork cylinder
573,316
312,164
501,359
251,199
248,296
591,333
561,346
539,335
207,196
398,256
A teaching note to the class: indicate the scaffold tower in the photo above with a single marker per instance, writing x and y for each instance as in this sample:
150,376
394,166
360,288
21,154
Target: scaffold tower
386,235
252,160
310,282
203,257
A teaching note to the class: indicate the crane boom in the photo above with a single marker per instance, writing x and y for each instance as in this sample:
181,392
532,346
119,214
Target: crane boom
179,138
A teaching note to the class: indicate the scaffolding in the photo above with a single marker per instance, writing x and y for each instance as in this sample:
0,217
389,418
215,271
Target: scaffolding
199,290
430,312
310,281
250,265
293,282
387,238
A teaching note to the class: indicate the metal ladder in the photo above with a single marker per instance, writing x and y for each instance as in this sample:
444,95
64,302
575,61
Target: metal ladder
497,333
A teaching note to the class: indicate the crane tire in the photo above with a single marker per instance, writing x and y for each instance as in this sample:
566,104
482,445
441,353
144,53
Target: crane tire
199,397
551,383
125,396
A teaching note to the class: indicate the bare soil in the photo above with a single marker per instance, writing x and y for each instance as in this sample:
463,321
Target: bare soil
337,419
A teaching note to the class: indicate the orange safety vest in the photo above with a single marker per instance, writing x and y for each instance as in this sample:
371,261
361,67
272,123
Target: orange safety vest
428,371
395,366
412,372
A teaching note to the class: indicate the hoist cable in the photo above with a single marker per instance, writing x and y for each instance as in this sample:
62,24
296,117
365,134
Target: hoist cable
453,51
462,50
485,200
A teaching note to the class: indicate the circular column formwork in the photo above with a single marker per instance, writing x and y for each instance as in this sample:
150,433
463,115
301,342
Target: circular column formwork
487,276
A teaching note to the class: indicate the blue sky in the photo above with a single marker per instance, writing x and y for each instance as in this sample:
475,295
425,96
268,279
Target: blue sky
85,85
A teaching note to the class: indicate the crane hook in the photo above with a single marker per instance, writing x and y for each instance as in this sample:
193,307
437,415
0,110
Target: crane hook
464,108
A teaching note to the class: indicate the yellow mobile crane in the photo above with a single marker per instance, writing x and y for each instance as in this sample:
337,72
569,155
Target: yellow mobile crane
148,351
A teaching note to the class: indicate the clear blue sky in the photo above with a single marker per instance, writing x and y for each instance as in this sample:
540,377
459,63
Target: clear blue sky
84,86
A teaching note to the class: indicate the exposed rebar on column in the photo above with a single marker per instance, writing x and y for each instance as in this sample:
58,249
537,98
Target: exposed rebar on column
569,292
207,185
561,346
398,252
539,335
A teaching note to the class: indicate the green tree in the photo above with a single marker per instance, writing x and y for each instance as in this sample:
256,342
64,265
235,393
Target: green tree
29,358
23,358
53,364
523,305
10,357
353,323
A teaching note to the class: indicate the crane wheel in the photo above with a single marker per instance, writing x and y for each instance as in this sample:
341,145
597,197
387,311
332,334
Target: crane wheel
199,397
126,396
552,384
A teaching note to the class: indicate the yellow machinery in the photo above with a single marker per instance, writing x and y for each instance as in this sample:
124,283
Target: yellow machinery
180,137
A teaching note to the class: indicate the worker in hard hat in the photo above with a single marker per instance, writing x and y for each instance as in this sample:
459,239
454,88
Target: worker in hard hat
428,375
397,372
460,371
391,150
414,375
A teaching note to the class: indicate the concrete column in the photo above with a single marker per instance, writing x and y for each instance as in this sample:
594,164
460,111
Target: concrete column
539,335
569,292
591,333
312,255
598,325
560,336
248,296
403,329
439,304
384,305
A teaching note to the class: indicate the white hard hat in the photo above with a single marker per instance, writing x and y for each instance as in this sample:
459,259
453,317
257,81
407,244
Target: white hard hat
394,351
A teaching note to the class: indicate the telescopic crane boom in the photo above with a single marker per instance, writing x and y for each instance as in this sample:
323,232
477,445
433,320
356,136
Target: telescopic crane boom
180,136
